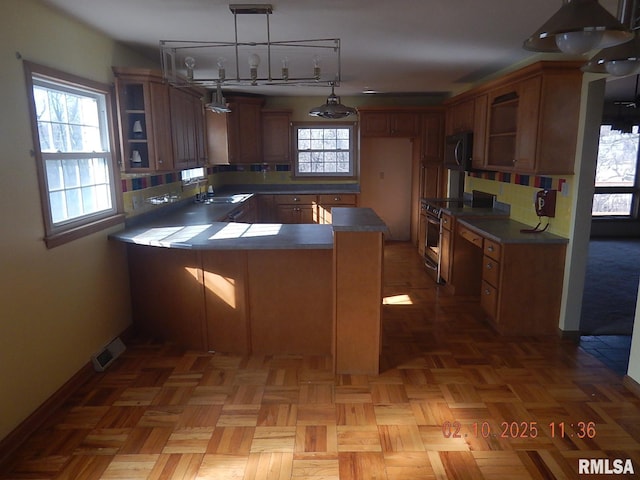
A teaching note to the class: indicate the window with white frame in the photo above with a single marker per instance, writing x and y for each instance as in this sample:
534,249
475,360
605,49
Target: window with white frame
74,152
324,150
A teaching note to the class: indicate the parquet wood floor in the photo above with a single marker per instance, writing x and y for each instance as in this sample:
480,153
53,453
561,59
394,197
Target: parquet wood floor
163,413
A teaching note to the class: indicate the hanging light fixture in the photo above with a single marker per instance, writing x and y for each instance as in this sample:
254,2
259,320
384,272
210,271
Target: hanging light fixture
624,59
333,109
314,62
217,103
578,27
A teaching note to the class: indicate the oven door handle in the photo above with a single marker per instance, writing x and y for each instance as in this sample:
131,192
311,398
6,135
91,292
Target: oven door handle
430,264
433,221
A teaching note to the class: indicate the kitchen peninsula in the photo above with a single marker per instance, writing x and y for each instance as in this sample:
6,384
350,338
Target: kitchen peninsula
260,288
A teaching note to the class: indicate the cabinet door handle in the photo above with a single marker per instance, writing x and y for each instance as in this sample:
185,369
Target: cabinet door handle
296,199
487,292
489,266
336,199
490,248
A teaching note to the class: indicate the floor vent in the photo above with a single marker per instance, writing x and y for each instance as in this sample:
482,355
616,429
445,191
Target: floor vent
108,354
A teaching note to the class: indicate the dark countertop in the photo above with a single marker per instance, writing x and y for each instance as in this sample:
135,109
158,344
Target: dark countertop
198,226
505,230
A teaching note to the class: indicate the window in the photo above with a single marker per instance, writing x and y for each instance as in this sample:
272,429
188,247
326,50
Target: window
74,152
192,175
616,185
324,151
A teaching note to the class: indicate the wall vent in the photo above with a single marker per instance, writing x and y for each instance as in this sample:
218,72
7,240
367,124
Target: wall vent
107,355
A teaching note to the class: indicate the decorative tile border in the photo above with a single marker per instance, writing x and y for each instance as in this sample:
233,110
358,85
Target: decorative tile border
547,183
133,182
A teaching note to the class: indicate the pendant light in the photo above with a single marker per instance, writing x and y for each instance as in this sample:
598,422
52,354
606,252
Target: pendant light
578,27
217,103
333,109
619,60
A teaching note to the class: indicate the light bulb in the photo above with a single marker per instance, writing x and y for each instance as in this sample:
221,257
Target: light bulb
190,63
254,60
621,68
285,68
221,69
577,43
316,67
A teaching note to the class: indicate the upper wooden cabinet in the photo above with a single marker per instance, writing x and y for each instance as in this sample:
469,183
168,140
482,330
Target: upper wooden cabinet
525,122
236,137
187,129
460,116
144,120
389,123
161,127
431,141
479,130
276,136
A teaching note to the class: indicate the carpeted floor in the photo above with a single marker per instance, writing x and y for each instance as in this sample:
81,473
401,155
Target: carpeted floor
611,287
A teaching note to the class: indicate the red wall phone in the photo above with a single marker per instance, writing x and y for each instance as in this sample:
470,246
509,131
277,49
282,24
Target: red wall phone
546,203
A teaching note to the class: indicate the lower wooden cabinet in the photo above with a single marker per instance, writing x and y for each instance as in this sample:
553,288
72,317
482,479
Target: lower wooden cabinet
310,208
519,283
327,202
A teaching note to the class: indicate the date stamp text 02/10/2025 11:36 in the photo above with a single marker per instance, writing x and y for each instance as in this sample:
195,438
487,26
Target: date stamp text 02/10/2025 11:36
531,430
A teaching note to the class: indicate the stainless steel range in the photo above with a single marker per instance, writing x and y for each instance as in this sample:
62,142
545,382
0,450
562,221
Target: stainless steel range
432,208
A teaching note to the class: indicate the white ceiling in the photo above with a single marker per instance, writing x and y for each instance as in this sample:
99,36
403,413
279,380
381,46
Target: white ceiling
394,47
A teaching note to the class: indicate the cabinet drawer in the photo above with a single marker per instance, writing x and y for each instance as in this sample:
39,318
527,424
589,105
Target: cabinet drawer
295,199
489,299
492,249
447,221
490,270
337,199
470,235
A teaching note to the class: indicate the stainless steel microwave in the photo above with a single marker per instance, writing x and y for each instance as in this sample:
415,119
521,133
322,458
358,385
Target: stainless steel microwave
458,151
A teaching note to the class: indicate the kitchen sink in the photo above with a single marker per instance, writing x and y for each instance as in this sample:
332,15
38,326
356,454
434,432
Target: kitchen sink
239,198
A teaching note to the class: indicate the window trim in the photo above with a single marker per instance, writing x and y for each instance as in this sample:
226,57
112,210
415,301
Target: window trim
64,232
352,149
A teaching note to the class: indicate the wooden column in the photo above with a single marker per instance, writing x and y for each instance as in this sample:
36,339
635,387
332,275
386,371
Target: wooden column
358,261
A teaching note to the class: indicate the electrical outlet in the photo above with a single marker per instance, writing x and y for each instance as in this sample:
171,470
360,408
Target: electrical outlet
136,202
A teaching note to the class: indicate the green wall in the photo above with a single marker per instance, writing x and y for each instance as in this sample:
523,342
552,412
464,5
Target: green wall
58,306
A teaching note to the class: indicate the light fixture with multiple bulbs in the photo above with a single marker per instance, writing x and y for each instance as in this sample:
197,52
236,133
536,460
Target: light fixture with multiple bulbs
314,62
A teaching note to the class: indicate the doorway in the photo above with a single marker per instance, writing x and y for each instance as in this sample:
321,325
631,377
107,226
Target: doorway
385,182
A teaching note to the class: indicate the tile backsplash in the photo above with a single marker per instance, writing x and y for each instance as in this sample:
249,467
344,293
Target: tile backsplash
145,192
519,192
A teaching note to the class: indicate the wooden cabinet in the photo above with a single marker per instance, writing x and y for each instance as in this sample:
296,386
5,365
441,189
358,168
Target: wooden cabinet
387,123
533,121
327,202
446,245
479,159
276,136
460,116
525,122
513,279
236,137
161,127
432,172
144,121
187,129
296,208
